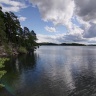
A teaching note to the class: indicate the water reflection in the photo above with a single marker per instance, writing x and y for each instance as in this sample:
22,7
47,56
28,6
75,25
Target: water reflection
53,71
16,68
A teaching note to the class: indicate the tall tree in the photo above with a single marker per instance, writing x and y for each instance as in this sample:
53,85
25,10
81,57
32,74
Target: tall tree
12,33
2,27
13,27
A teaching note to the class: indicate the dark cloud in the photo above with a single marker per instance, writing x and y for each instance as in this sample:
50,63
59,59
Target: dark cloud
91,32
73,38
86,9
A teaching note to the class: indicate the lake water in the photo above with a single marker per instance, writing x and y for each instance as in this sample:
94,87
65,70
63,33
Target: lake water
53,71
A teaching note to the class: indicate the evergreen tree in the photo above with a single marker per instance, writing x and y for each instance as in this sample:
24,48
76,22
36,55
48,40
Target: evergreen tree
2,27
12,33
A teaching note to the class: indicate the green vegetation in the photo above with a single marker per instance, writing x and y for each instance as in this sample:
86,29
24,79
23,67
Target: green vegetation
13,35
2,72
22,50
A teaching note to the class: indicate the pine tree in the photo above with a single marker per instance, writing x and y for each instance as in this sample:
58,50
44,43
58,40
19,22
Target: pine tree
2,28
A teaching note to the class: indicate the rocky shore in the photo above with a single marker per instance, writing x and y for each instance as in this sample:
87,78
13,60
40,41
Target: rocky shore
4,53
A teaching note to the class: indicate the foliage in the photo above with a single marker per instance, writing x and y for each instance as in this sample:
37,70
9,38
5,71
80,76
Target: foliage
12,33
22,50
7,49
2,72
2,28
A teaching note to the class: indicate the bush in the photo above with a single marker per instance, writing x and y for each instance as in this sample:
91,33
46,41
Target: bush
22,50
2,72
8,49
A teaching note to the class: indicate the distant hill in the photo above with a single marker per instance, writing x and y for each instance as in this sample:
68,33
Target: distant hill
62,44
46,43
92,45
72,44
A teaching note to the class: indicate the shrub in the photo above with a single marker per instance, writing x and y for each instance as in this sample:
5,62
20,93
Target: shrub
2,72
22,50
7,49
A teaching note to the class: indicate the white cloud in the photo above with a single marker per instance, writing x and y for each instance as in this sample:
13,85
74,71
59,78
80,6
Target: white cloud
58,12
61,13
13,6
50,38
50,29
22,18
61,38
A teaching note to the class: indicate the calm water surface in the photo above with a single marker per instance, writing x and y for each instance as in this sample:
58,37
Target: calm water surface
53,71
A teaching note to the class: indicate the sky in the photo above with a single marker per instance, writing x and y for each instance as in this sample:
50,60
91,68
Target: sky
56,21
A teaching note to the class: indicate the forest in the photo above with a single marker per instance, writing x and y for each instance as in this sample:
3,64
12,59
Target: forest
14,38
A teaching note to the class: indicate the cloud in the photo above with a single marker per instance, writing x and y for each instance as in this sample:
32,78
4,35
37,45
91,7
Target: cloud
61,38
91,32
55,39
86,12
10,5
22,18
58,12
92,41
86,9
63,11
50,29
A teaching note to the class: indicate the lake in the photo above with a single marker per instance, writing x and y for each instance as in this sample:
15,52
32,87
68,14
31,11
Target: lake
52,71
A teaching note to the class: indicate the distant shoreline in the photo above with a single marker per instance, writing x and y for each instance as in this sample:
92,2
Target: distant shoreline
63,44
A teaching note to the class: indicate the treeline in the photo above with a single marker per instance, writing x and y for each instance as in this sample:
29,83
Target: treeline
47,43
11,32
62,44
72,44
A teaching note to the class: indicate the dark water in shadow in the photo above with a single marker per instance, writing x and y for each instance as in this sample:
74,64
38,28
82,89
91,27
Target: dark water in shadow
53,71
